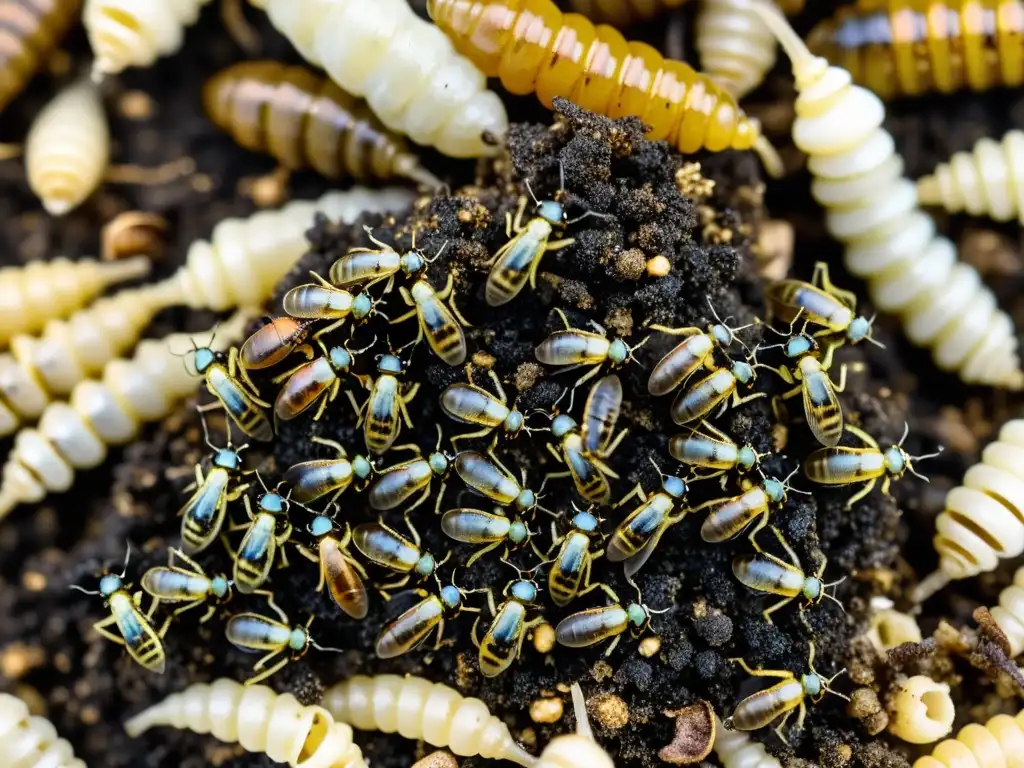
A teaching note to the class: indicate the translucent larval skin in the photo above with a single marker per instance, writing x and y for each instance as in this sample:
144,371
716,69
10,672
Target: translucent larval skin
534,48
403,66
31,742
621,13
911,47
30,31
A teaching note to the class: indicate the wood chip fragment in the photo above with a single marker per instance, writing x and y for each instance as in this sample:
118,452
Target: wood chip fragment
695,734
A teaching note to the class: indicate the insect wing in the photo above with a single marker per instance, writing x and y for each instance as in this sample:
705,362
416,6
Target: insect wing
239,404
303,388
410,629
343,580
499,646
141,640
821,407
444,333
381,426
601,413
567,571
512,268
256,554
591,484
203,514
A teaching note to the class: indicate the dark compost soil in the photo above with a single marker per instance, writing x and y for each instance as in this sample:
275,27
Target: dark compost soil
87,687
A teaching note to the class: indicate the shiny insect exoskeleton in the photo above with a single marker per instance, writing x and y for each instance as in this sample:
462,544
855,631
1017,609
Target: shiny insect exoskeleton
267,530
322,301
442,326
569,575
311,480
818,303
190,585
518,260
503,640
143,643
822,410
588,471
255,633
489,477
573,348
719,388
762,708
474,526
275,341
203,514
341,573
636,537
389,549
590,627
396,484
600,415
842,465
707,447
769,574
385,409
729,517
364,266
690,355
317,379
412,628
33,32
223,382
470,404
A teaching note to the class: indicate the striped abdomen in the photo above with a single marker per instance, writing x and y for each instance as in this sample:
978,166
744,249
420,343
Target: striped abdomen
29,33
410,629
731,517
842,466
703,397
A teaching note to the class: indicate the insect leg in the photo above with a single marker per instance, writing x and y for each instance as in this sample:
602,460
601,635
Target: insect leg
100,627
769,611
480,553
862,492
611,647
270,671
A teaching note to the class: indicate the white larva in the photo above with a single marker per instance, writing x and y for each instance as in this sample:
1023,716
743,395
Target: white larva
405,68
245,258
736,749
32,295
735,46
259,719
872,209
67,148
921,710
28,741
996,744
576,750
416,708
987,181
40,368
74,435
1009,614
135,33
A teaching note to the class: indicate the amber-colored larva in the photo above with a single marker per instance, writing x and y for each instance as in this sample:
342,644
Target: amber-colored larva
28,741
987,181
1009,614
75,435
405,68
576,750
245,258
306,121
921,710
260,720
67,148
41,291
534,48
736,749
40,368
872,209
416,708
31,30
135,33
909,47
622,13
983,521
997,744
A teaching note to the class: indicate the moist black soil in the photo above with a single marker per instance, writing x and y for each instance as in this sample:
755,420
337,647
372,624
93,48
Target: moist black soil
87,687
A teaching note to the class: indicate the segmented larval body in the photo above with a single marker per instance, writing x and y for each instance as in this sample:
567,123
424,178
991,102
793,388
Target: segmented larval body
31,742
736,749
998,743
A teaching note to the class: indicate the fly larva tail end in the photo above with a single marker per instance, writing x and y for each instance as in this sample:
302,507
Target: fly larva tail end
149,718
806,66
929,586
126,269
408,166
770,158
57,206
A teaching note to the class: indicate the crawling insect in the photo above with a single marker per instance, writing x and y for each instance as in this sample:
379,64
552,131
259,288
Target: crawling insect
819,303
569,576
601,414
718,388
474,526
638,535
311,480
399,482
441,326
762,708
842,465
707,447
503,640
384,411
322,301
730,516
766,573
389,549
224,383
143,643
470,404
573,348
341,573
592,626
588,471
317,379
691,354
254,633
366,266
267,530
489,477
412,628
190,585
203,514
271,344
